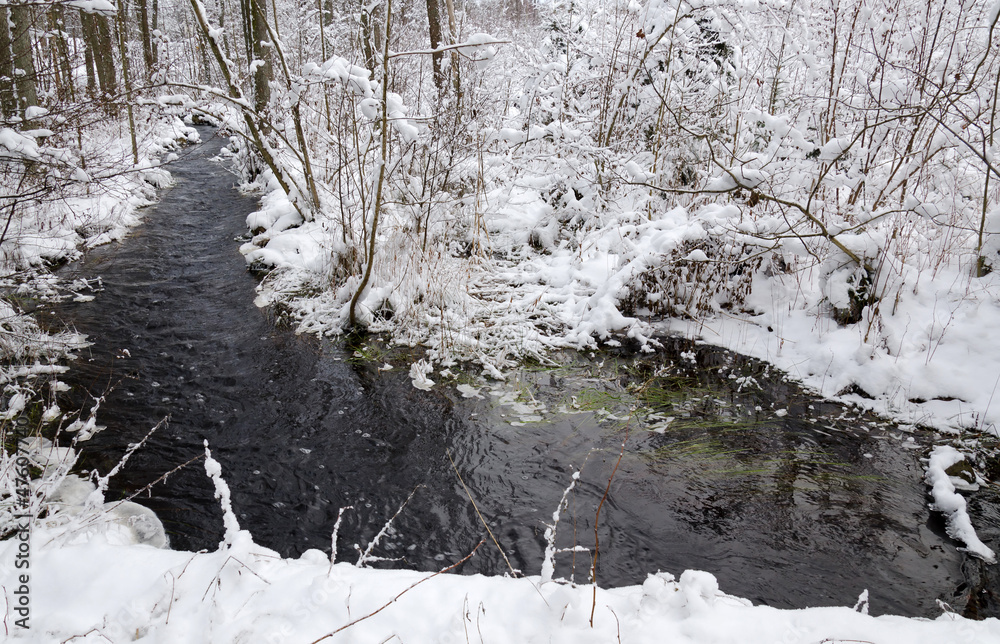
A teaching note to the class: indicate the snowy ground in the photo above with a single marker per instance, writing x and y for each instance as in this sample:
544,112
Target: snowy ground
927,363
100,592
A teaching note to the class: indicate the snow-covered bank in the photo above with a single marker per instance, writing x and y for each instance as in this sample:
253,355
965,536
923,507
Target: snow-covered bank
89,207
929,360
246,593
546,228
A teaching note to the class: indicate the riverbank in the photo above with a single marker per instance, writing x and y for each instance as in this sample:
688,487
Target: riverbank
644,612
242,592
86,210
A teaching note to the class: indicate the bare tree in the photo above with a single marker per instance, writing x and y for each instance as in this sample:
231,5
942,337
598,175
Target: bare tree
263,72
148,49
8,100
22,17
437,58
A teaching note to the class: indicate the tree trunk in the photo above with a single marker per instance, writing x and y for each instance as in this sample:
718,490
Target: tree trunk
106,58
264,73
99,43
57,23
24,65
126,76
88,58
147,37
368,38
456,80
437,58
154,26
8,100
246,23
205,66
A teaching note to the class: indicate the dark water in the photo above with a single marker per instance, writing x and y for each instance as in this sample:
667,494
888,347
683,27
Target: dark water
790,511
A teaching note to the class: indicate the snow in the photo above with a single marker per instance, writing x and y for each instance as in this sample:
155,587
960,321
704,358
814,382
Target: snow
214,471
369,107
33,112
242,592
834,148
17,145
104,7
536,244
481,47
637,174
419,371
951,504
468,391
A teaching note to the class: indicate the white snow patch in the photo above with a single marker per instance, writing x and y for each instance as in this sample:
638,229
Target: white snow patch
468,391
418,374
244,592
952,504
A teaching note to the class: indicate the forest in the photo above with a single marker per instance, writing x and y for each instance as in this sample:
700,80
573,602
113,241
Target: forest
489,183
578,169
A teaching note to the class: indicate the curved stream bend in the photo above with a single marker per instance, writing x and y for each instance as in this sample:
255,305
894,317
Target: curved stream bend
302,431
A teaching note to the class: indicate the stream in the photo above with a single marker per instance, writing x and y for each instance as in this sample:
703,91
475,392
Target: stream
789,500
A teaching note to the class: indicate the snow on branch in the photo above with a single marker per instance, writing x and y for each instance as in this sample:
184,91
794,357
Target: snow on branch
101,7
952,504
214,471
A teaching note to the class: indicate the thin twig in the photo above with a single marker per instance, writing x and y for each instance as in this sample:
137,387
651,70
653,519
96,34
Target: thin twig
173,587
102,483
597,518
217,580
93,630
336,530
365,556
479,514
408,589
444,48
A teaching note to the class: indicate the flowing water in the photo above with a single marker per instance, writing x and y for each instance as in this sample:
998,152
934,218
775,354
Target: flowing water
807,508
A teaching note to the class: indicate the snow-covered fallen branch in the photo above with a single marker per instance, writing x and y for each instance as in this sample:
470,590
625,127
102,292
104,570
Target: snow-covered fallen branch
949,502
